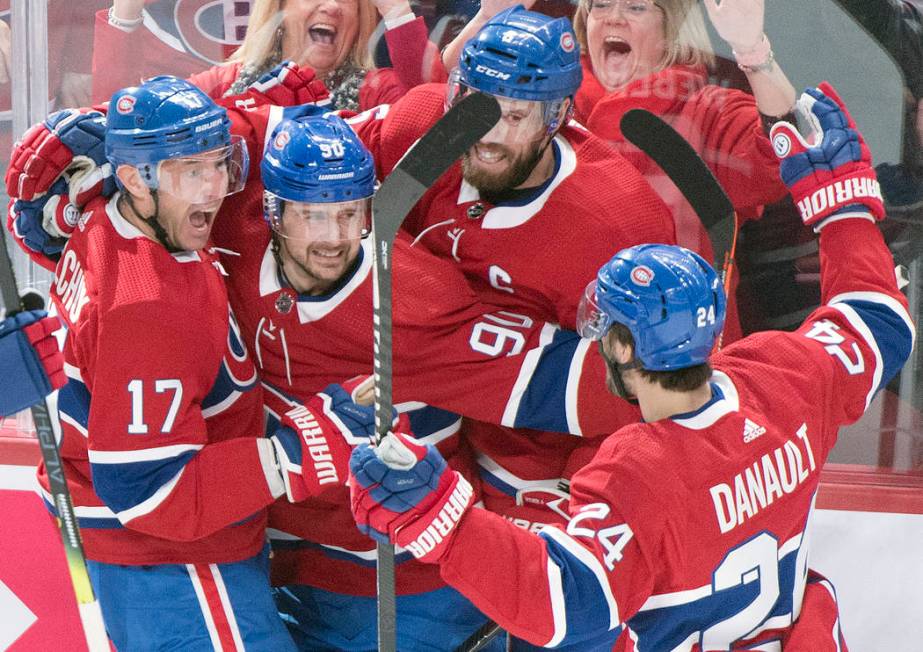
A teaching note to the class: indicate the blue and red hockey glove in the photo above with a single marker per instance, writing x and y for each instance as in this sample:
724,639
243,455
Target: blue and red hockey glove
404,492
314,441
284,85
831,177
31,364
57,167
50,147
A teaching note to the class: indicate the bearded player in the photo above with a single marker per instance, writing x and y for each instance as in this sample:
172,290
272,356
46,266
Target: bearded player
687,531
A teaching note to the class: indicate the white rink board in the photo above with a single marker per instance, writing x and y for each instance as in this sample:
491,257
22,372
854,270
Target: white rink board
875,561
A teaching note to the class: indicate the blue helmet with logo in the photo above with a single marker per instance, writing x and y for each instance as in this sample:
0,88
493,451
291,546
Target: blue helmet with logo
163,118
317,159
668,297
523,55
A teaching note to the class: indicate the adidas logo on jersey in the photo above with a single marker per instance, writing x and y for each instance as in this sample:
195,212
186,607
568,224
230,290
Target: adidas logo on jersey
752,430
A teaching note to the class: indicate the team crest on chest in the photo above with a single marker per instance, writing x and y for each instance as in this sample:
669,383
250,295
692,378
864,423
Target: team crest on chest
284,302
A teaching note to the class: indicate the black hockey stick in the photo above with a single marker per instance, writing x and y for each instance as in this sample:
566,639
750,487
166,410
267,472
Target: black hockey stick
457,131
91,616
695,181
479,640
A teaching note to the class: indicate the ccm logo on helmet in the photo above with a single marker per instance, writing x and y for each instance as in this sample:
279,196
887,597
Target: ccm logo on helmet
642,275
125,104
490,72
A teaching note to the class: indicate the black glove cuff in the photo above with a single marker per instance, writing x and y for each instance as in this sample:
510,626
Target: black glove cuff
768,120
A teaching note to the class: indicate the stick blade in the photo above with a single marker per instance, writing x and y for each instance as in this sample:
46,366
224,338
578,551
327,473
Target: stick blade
457,131
688,171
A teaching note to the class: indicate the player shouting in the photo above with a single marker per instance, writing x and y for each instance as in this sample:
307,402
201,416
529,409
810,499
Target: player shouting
302,292
162,415
689,530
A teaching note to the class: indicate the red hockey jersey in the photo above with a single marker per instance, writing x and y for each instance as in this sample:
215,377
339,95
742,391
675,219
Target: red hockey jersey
534,256
723,126
692,530
161,414
450,351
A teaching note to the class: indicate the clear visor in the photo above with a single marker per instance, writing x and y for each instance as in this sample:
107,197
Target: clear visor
592,321
318,222
206,177
520,120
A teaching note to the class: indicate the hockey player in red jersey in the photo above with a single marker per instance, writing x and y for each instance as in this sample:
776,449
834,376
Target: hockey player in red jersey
531,212
162,422
302,293
308,323
687,531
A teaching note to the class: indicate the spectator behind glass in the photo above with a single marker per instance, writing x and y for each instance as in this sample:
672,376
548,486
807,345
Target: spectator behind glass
656,56
329,36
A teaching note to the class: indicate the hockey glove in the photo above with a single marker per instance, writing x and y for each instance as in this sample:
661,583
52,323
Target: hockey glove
831,177
49,148
404,492
31,363
56,169
24,221
287,85
314,440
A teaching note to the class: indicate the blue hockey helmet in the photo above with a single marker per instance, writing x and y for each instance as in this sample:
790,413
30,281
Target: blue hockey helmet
169,118
523,55
668,297
315,160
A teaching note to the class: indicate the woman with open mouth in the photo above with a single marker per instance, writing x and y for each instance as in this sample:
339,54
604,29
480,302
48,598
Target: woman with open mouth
656,55
328,40
331,37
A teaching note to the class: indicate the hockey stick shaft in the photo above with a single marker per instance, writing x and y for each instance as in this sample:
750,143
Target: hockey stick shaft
481,638
90,614
457,131
689,173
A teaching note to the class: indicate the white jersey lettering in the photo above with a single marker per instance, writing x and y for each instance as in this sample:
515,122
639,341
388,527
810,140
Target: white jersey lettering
775,474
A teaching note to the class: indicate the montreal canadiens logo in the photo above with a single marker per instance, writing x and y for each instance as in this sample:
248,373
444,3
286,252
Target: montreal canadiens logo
782,144
642,275
281,139
125,104
567,42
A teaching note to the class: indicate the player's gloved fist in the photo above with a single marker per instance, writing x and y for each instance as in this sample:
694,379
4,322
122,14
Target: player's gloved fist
404,492
24,221
314,440
43,224
288,85
831,177
29,359
49,148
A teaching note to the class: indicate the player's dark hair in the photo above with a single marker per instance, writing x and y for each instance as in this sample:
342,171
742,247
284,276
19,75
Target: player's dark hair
678,380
